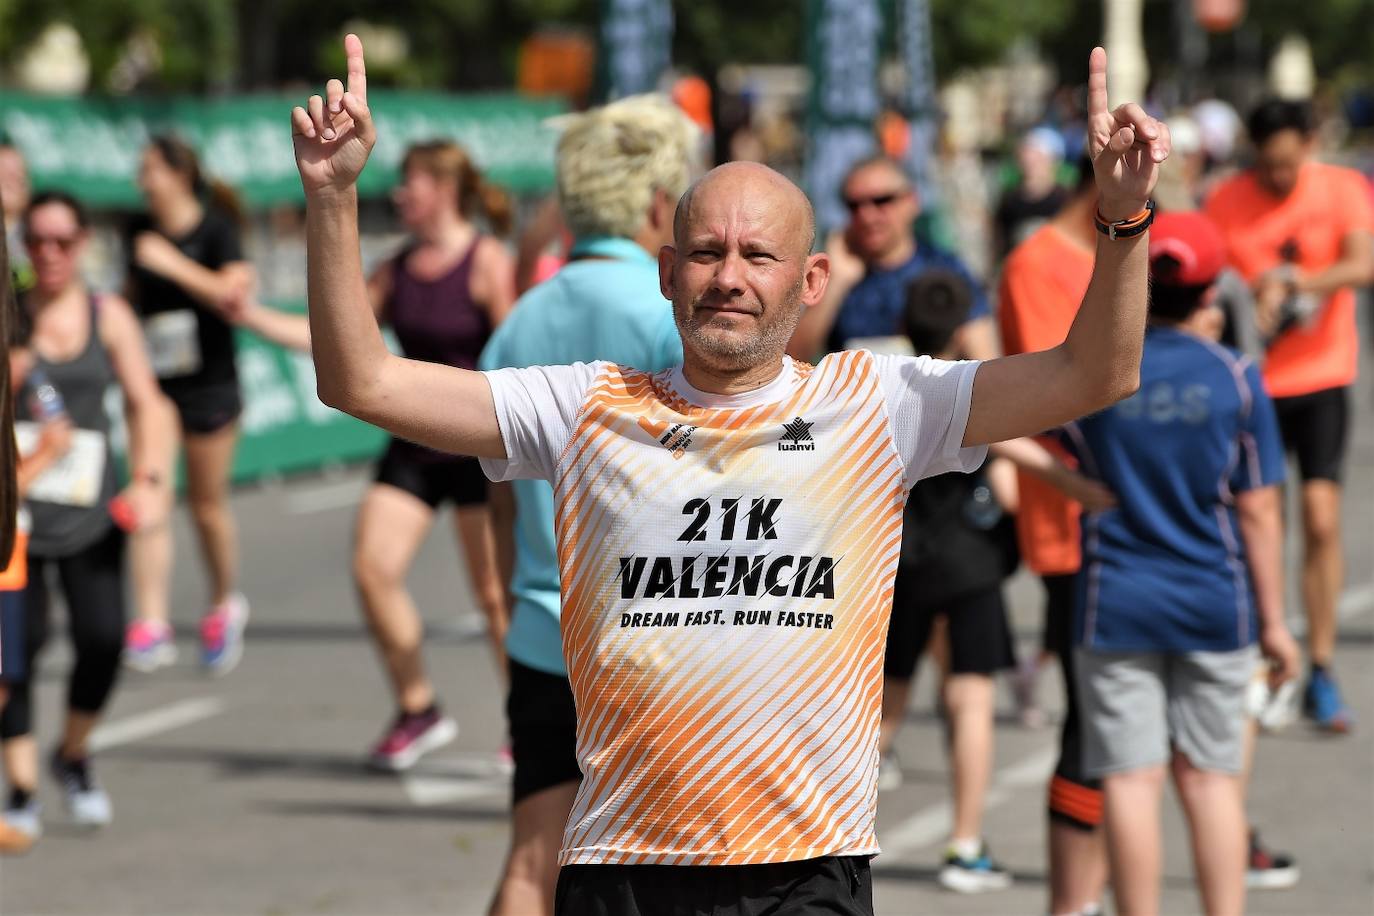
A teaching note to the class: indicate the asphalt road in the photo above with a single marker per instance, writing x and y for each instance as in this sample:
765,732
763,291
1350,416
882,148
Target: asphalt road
247,795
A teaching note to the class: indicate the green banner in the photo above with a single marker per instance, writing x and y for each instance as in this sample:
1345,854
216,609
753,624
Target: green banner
284,427
90,147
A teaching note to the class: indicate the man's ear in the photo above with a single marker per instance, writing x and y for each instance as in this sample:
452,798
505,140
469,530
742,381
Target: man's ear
667,259
815,278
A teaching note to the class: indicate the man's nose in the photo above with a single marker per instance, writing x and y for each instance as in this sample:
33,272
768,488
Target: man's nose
729,278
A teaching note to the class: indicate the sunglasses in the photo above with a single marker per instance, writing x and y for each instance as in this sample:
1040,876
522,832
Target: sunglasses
882,200
65,243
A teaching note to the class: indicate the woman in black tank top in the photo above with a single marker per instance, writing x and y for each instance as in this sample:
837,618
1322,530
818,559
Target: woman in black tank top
84,343
185,267
442,295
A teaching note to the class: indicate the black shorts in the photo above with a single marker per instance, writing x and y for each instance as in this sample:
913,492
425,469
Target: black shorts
1315,427
206,410
979,636
1057,636
836,885
433,481
543,731
12,636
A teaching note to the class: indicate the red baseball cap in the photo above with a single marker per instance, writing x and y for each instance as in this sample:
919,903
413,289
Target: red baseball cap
1185,249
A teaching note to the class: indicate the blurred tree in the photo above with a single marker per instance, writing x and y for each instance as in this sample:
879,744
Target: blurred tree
196,39
208,45
971,33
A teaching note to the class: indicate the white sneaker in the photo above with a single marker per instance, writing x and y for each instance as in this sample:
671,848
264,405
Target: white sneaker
20,828
87,803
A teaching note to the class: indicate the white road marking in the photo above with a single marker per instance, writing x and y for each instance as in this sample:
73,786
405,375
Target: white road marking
1354,602
325,498
156,721
455,778
932,823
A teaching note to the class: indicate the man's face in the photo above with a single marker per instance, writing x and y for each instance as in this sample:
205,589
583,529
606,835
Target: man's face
882,208
741,271
1278,160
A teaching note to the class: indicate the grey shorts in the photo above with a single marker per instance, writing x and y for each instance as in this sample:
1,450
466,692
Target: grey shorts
1137,706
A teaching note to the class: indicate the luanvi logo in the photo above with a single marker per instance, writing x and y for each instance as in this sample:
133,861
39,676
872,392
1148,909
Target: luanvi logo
675,437
796,437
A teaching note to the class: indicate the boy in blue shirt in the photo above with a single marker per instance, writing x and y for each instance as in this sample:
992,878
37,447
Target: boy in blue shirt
1179,580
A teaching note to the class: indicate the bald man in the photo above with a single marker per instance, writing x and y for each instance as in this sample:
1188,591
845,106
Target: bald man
728,529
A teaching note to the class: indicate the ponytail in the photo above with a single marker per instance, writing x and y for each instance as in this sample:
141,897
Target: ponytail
220,196
495,204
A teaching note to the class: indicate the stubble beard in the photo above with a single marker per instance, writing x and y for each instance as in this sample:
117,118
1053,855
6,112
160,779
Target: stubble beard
734,351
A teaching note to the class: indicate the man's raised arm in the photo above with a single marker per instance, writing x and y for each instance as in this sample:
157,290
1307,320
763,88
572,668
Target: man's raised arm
439,406
1099,362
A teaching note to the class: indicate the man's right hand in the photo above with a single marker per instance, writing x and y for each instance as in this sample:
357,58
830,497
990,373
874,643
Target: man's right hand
333,135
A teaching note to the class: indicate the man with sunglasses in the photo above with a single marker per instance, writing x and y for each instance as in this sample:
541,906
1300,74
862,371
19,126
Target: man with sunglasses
873,261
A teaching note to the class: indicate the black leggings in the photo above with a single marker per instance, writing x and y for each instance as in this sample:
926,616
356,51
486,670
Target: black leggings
93,584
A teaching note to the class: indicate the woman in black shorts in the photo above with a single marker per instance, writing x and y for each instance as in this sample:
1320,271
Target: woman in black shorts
186,268
442,295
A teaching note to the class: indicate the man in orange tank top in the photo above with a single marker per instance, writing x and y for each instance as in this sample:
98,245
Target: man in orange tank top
1302,234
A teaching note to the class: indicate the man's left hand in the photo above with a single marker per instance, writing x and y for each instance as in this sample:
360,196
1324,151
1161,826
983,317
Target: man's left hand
1126,146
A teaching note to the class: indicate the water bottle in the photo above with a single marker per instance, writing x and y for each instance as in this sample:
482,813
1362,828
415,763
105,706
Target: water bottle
981,509
45,401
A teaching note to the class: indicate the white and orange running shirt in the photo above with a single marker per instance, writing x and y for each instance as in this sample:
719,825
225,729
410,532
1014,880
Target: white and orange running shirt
727,566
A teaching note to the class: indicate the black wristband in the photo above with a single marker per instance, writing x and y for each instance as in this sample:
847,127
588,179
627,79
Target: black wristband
1126,228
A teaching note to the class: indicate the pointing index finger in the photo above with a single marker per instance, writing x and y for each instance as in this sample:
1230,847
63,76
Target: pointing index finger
1097,83
357,72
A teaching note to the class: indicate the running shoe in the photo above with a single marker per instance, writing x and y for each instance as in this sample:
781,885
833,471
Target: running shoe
973,876
889,772
20,828
1267,870
1324,705
148,646
87,803
221,635
410,737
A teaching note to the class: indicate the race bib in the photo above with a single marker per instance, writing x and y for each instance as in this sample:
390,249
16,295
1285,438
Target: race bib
76,477
173,343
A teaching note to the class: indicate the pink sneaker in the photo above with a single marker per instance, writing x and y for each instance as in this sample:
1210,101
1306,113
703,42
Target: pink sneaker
148,646
410,737
221,635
